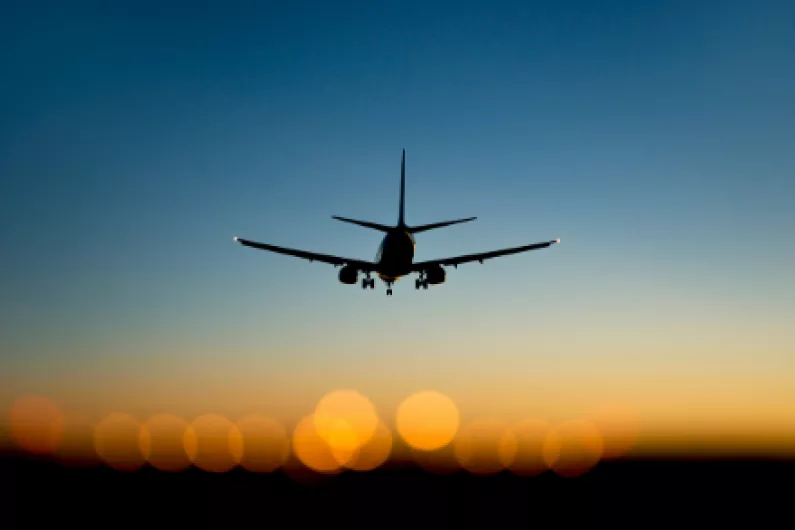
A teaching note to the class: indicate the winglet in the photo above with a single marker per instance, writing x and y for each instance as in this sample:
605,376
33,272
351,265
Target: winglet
556,241
235,238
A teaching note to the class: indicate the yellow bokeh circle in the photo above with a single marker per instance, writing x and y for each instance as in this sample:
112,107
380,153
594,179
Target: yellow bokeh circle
427,420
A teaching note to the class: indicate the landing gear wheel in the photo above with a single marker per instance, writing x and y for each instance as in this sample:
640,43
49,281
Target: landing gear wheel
372,283
425,284
417,284
389,292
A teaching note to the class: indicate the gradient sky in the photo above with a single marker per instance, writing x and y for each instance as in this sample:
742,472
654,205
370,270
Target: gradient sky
656,139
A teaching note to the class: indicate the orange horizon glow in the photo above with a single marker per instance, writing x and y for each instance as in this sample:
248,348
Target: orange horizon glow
345,432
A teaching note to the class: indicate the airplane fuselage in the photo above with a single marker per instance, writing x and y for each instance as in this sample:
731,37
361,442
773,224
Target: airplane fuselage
395,254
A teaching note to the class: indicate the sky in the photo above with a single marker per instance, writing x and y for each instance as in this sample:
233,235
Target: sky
655,139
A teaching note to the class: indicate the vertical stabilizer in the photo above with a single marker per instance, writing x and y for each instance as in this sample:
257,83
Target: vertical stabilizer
401,221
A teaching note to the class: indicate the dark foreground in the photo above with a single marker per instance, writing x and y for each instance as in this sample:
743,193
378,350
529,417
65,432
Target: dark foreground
629,493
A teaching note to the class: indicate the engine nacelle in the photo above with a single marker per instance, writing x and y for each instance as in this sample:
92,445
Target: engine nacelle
349,275
436,275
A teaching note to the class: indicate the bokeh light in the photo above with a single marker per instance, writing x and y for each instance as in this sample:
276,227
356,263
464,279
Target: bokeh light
477,446
37,424
427,420
346,420
343,432
116,441
573,448
522,447
375,452
312,450
218,443
340,437
266,444
165,441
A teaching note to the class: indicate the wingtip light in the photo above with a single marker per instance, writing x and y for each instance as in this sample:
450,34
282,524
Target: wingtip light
556,241
235,238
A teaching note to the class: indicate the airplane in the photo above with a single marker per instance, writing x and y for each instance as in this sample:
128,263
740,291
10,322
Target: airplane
395,256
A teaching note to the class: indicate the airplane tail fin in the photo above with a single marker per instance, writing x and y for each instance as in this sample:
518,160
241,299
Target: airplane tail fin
377,226
401,218
402,211
423,228
366,224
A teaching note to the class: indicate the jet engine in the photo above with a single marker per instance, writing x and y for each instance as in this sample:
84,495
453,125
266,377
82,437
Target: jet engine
348,275
436,275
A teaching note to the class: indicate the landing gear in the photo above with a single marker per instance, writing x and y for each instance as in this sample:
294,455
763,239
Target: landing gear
422,281
389,289
389,292
368,282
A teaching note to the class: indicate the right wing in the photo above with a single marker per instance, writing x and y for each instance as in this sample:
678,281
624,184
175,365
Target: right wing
423,265
311,256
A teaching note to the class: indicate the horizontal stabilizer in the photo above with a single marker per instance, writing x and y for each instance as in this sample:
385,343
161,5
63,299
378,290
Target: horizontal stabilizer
423,228
366,224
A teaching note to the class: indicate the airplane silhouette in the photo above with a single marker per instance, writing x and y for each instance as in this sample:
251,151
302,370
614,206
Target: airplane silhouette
395,257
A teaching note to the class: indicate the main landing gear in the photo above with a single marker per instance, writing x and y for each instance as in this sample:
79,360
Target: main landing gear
422,281
369,282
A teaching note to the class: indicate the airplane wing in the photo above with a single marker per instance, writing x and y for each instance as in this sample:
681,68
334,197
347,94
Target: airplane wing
311,256
457,260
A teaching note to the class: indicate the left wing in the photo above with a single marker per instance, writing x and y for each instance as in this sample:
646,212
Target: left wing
423,265
311,256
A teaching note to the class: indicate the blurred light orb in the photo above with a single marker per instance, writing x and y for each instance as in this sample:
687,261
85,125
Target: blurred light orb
375,452
116,441
266,444
168,443
573,448
345,419
218,443
522,447
477,446
312,450
427,420
340,437
37,424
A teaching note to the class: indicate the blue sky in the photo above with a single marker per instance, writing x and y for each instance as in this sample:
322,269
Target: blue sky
653,138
